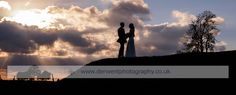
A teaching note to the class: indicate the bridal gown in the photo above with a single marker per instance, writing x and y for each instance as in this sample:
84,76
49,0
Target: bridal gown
130,51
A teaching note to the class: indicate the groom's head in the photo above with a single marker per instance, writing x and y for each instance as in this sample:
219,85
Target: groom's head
122,24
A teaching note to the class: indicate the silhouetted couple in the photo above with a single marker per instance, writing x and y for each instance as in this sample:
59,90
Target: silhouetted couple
130,51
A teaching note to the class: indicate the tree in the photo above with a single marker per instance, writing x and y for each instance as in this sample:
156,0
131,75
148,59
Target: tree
200,36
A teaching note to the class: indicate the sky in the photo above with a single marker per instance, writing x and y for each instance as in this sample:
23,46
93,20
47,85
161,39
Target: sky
161,10
76,32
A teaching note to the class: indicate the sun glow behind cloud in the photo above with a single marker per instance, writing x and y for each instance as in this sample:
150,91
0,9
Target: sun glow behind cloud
3,54
32,18
28,17
5,5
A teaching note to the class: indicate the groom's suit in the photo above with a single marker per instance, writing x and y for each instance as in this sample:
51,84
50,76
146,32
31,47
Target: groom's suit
122,40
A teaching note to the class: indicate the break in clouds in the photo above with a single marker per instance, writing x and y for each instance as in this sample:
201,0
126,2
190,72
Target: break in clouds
88,33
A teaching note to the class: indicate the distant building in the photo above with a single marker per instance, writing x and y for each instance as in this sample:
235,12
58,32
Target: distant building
44,76
34,74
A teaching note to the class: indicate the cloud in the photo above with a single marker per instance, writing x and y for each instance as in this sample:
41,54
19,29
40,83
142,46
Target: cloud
76,17
16,38
28,4
12,40
156,28
135,11
164,37
183,18
220,46
5,9
5,5
218,20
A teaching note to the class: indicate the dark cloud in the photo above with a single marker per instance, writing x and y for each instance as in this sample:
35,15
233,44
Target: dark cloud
130,8
16,38
128,12
74,38
48,38
42,38
96,48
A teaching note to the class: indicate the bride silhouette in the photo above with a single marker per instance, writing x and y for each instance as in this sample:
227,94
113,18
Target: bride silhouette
130,51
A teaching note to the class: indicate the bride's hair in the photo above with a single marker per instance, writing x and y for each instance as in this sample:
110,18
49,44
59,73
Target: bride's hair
131,25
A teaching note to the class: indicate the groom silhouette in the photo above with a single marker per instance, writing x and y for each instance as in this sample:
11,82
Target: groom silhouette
122,39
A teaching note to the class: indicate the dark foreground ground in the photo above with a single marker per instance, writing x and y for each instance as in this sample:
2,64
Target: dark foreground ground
194,59
220,58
